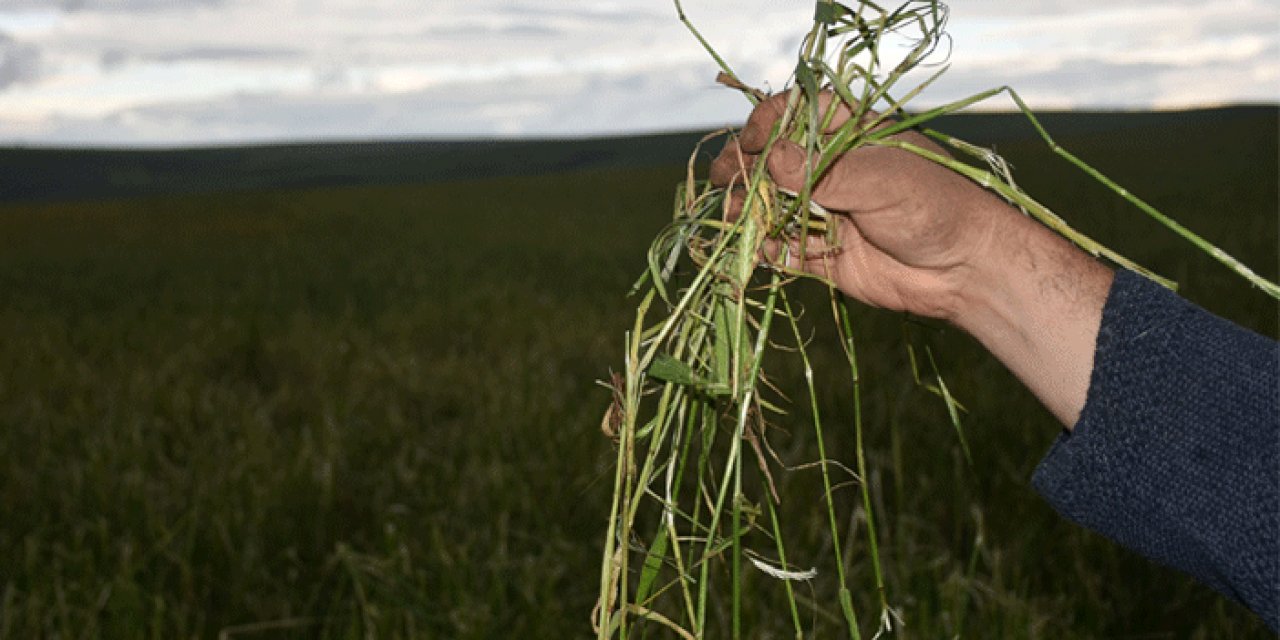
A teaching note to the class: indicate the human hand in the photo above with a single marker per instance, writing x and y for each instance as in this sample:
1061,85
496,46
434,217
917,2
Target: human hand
915,236
909,229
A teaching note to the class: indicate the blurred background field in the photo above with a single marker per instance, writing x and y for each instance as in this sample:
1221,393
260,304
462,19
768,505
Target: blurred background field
320,405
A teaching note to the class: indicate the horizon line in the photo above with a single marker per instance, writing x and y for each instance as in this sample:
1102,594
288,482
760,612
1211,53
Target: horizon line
285,142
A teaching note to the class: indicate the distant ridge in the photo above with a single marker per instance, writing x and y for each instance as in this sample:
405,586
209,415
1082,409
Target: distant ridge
28,175
45,175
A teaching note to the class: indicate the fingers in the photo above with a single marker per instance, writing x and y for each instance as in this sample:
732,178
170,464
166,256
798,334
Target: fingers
837,190
785,253
731,170
786,165
847,183
868,178
843,185
732,166
738,157
734,202
760,124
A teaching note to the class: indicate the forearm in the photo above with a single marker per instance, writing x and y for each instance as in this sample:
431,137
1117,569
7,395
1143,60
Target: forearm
1035,302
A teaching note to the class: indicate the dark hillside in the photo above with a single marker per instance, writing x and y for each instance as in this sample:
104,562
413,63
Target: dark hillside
49,175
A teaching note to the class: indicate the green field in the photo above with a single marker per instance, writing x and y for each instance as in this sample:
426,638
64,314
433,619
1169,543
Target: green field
371,412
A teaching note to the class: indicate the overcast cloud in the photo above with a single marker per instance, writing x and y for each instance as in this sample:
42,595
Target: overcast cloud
145,72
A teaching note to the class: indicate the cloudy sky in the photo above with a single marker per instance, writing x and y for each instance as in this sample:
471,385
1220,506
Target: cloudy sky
161,72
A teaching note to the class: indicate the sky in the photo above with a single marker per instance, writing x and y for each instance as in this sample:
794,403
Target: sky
209,72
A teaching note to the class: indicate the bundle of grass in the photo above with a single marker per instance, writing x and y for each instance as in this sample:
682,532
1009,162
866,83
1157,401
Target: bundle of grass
695,499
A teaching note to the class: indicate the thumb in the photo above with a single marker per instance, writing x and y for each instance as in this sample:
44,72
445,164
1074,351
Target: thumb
786,165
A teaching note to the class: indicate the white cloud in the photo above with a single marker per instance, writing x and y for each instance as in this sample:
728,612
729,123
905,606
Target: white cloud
176,71
1127,53
19,62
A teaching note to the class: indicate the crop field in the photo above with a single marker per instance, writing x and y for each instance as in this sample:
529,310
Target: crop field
372,411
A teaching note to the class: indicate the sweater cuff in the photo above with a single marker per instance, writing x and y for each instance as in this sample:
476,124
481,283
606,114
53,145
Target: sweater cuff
1175,452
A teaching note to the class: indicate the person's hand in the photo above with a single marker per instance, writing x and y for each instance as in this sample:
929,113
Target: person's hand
915,236
908,228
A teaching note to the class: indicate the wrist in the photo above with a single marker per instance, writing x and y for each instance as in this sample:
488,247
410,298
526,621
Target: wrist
1035,301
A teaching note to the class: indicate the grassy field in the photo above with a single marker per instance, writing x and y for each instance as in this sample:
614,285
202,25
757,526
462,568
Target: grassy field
371,411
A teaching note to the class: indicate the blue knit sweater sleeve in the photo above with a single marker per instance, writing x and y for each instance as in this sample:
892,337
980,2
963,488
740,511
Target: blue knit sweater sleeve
1177,451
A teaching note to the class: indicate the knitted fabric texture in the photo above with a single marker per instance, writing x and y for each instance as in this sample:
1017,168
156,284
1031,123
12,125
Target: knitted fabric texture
1177,451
